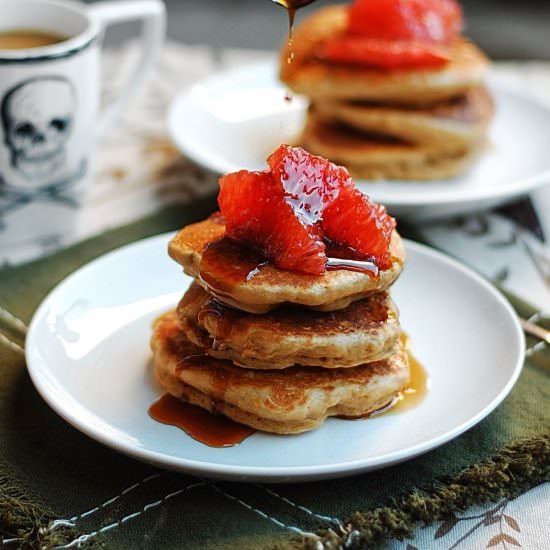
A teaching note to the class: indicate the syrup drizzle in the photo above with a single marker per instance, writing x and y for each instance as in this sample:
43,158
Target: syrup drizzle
225,322
291,6
245,266
419,384
360,266
253,272
411,395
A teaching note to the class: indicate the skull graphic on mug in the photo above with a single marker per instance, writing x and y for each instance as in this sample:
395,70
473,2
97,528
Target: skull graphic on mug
37,116
37,121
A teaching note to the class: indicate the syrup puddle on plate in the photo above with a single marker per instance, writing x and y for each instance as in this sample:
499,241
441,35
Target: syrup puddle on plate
416,389
213,430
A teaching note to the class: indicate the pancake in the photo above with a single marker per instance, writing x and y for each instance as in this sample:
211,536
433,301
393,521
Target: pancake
321,80
369,156
290,401
365,331
235,275
450,125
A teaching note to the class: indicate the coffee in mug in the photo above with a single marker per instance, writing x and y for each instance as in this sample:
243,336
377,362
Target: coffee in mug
23,39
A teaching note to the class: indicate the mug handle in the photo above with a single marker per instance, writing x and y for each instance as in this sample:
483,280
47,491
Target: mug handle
152,12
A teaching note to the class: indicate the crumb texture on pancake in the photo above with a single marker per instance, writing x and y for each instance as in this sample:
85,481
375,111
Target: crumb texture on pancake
289,401
367,330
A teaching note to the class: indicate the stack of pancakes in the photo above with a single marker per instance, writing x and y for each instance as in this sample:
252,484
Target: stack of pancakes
277,350
399,124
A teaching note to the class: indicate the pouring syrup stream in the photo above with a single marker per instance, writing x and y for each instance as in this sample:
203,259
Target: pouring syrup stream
291,6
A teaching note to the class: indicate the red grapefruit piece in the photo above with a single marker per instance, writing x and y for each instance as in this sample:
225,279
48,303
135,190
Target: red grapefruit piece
258,215
416,20
308,181
354,221
388,54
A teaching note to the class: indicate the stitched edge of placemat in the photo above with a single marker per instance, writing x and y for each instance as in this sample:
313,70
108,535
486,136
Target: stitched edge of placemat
27,524
506,475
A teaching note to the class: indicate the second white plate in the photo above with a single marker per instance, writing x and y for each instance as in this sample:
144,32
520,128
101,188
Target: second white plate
235,119
88,355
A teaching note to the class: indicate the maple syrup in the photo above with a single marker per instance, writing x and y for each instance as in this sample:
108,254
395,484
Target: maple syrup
211,429
225,264
225,321
291,6
361,266
221,276
417,388
411,395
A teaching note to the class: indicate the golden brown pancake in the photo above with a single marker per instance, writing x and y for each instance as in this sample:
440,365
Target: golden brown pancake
233,274
321,80
290,401
448,126
374,157
367,330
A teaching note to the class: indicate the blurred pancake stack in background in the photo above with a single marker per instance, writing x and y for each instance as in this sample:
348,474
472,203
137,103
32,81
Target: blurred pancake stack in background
395,91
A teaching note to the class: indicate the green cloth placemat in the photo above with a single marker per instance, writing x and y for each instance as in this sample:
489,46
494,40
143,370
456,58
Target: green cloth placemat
57,485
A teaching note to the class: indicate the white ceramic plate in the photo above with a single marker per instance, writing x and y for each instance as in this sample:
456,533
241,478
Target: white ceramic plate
88,355
235,119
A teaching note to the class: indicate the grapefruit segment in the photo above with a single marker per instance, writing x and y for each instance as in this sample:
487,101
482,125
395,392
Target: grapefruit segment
258,215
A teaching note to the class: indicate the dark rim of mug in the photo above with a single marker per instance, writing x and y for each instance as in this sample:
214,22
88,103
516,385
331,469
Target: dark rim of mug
48,56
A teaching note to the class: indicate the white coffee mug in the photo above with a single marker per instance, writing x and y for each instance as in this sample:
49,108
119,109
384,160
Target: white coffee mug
49,113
